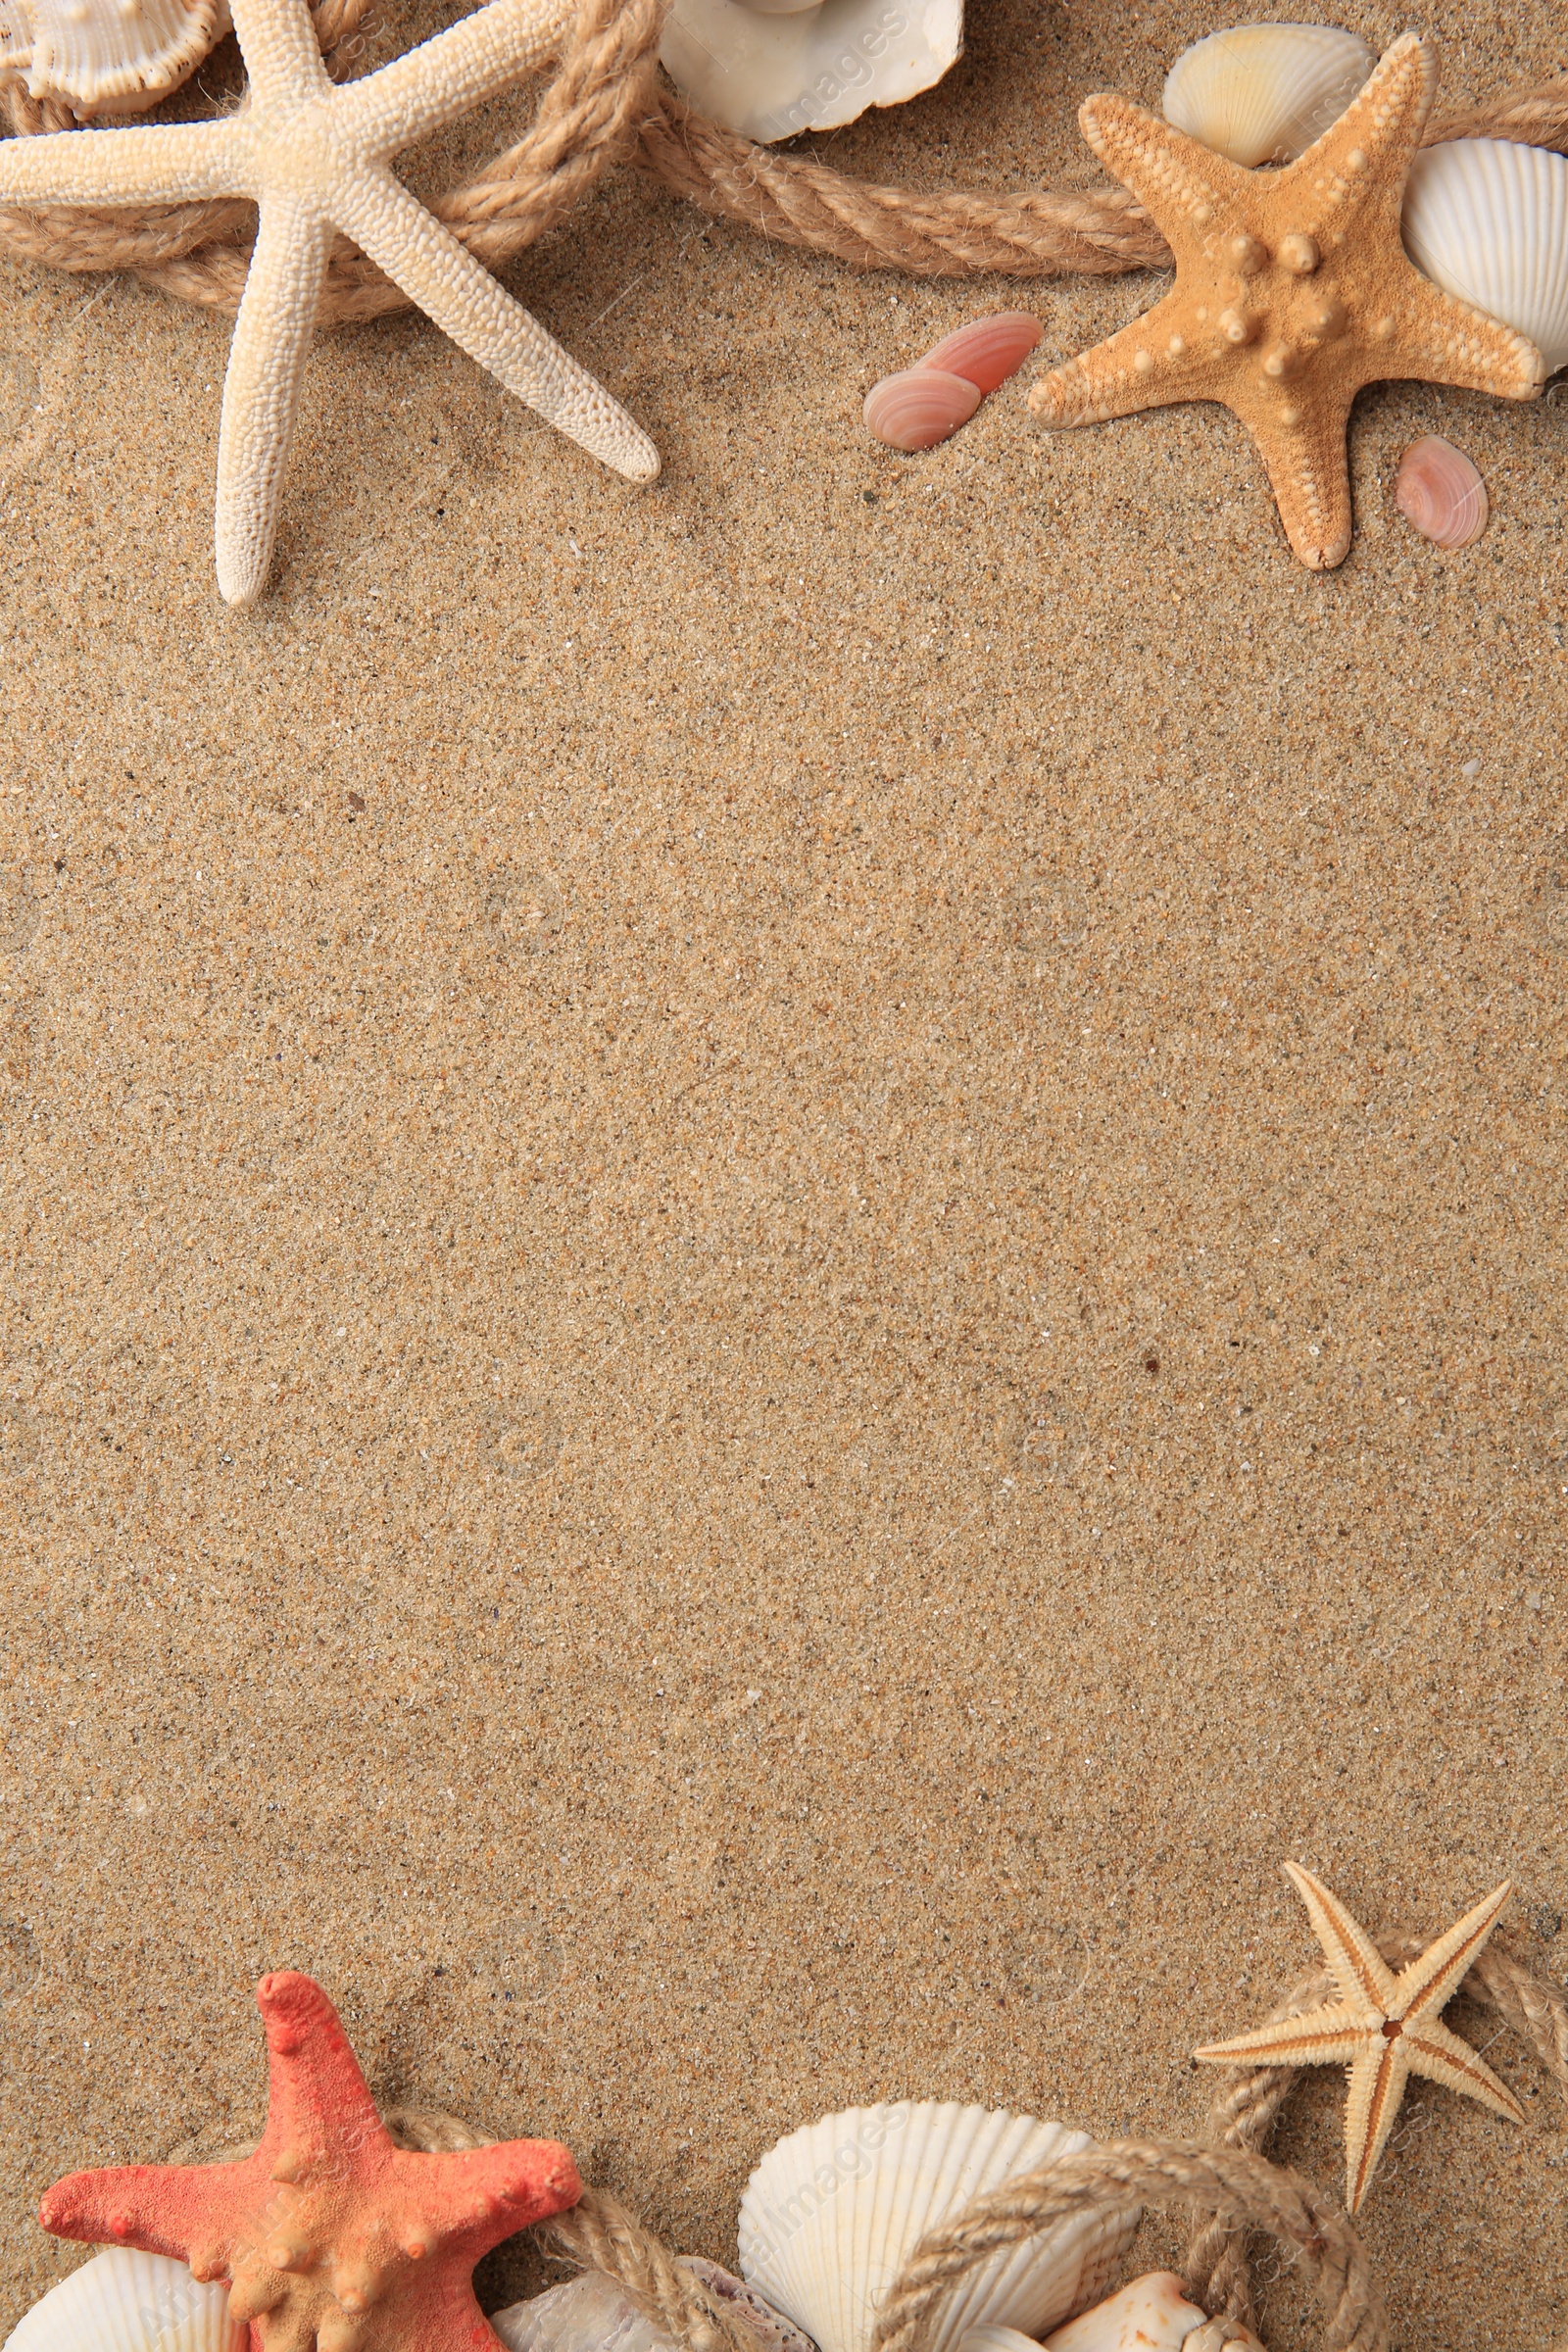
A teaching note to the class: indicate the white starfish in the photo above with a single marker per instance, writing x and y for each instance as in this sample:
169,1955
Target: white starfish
1382,2029
317,158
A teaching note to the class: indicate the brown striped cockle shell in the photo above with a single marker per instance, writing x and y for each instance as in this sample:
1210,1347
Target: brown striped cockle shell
1439,493
920,407
988,350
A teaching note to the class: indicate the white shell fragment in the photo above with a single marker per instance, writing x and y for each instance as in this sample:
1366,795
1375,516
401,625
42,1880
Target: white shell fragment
1150,2314
107,57
123,2301
1489,221
769,75
1262,93
590,2314
830,2215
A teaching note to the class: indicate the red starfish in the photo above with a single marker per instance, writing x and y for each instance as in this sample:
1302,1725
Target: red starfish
333,2236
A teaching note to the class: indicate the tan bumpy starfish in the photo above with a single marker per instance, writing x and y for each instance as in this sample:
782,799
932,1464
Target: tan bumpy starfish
317,159
1382,2027
1293,291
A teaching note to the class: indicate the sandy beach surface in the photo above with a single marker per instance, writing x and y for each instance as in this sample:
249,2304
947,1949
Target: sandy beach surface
783,1260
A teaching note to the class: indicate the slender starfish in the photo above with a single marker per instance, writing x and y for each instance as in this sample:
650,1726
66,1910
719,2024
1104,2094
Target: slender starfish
1382,2029
317,159
330,2235
1293,291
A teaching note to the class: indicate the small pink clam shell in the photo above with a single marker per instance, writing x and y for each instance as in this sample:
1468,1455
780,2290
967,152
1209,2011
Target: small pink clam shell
988,350
1439,493
921,406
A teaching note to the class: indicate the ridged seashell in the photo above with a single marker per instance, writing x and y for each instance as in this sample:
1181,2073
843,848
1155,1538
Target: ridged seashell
769,75
591,2314
989,350
1262,93
1489,221
123,2301
830,2215
1150,2314
1439,493
107,57
920,407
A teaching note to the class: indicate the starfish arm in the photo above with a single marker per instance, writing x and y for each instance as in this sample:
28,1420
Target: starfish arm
1336,195
169,163
1362,1975
433,84
1182,184
464,300
1143,366
1325,2036
1438,339
1309,474
1426,1984
282,55
1432,2050
261,393
318,2104
475,2199
1377,2085
164,2209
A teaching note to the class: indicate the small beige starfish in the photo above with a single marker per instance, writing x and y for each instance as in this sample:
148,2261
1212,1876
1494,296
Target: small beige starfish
1382,2029
1293,291
317,159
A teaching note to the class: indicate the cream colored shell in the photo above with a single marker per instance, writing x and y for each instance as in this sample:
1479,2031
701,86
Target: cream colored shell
1151,2314
1262,93
125,2301
107,57
768,73
831,2214
1489,221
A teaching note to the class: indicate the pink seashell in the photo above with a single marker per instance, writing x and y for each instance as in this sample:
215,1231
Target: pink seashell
921,406
1439,493
988,350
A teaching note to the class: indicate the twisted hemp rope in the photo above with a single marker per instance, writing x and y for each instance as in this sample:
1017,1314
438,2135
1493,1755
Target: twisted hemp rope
607,104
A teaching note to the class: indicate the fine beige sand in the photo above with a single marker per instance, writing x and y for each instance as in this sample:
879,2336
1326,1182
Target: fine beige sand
784,1259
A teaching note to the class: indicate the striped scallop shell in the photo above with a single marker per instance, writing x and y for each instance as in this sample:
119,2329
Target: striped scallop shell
125,2301
831,2214
1489,221
107,57
1262,93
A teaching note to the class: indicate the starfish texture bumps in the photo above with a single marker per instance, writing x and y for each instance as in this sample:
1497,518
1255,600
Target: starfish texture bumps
331,2235
317,159
1293,291
1384,2027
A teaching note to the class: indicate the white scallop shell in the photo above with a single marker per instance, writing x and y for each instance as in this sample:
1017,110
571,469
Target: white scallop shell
1262,93
107,57
123,2301
769,75
1489,220
830,2215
